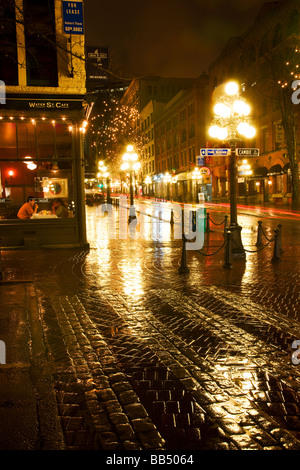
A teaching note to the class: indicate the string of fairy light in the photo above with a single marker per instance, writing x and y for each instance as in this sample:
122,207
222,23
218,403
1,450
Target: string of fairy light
111,127
292,69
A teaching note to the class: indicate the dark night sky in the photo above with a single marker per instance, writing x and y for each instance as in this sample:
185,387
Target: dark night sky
171,38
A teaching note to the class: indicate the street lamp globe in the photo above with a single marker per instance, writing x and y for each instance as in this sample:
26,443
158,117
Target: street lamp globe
231,88
241,107
222,110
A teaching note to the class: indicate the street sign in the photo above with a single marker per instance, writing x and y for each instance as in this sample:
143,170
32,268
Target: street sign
215,152
200,161
72,17
247,152
204,171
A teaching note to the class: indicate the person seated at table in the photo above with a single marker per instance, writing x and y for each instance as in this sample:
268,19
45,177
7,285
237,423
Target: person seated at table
28,209
59,208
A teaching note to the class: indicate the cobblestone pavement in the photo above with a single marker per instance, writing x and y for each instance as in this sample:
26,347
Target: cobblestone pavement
146,358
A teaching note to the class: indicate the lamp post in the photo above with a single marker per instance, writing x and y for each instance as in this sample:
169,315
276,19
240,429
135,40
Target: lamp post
104,175
148,181
231,124
167,180
130,163
196,177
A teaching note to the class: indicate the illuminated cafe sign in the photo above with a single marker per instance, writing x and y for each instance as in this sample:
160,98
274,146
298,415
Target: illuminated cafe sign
44,103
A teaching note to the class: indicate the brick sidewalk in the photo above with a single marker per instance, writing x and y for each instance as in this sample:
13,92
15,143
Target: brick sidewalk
27,402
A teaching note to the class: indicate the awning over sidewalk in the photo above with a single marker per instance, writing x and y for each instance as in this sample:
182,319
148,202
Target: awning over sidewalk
260,172
275,170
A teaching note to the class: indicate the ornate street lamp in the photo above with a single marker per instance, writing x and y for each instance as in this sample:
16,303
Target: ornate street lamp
131,164
231,124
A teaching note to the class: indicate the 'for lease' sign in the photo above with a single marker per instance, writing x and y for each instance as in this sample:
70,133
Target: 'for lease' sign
72,17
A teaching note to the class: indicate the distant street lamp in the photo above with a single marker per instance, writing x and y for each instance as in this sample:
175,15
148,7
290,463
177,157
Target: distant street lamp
197,177
231,124
245,170
104,175
131,164
148,181
167,180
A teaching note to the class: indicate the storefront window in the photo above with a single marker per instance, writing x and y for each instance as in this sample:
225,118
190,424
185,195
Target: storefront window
36,160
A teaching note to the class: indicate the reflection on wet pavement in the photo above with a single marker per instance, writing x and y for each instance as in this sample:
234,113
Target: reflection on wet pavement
207,355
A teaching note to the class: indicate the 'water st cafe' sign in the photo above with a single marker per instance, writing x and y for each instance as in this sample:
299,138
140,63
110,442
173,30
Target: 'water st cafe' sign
44,103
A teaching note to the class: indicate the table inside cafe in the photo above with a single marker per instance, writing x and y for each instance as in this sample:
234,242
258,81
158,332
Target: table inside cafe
43,215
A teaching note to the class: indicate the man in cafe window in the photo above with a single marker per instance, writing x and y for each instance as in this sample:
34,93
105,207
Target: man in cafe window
28,209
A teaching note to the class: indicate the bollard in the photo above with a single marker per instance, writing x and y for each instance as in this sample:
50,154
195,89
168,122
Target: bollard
183,269
276,254
193,221
160,215
225,224
280,239
259,234
172,217
207,223
228,251
132,214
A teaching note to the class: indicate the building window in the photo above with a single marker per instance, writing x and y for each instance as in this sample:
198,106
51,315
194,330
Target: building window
183,115
8,45
40,42
191,109
192,130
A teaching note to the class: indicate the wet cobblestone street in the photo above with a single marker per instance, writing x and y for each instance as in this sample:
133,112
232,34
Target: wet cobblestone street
143,357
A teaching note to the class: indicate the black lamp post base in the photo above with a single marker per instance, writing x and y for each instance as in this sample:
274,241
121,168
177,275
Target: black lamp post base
238,250
132,214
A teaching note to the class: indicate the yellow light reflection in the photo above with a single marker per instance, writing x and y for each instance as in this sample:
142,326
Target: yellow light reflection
132,277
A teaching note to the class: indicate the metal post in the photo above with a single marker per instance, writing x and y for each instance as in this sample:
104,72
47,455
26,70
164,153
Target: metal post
207,223
233,193
132,214
131,189
108,200
259,234
172,217
276,254
225,224
183,269
280,239
228,251
237,249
